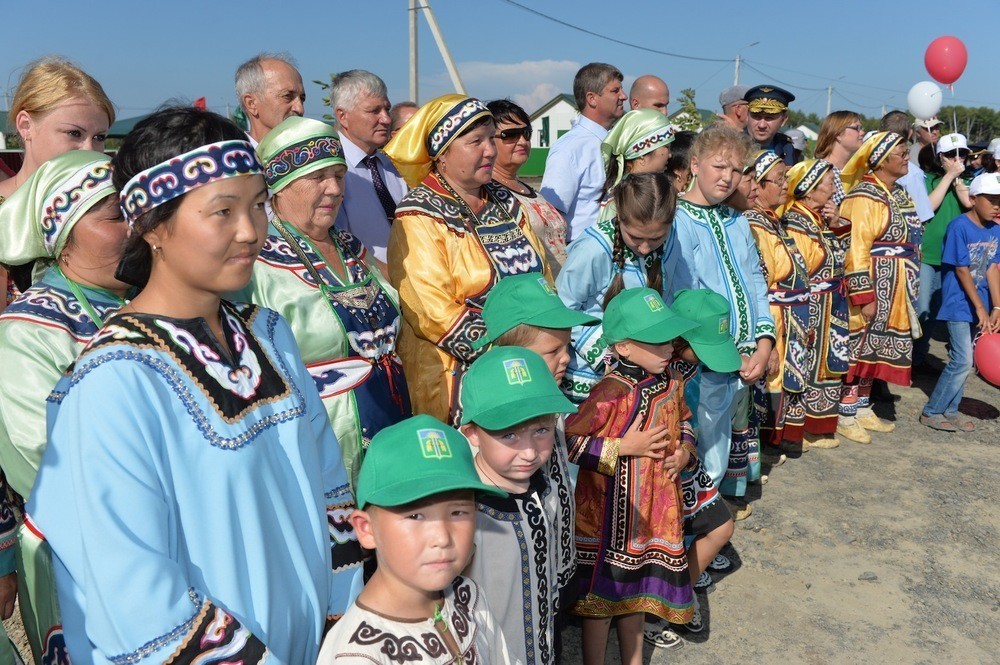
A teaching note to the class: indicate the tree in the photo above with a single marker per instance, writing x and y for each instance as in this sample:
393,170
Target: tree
688,118
325,85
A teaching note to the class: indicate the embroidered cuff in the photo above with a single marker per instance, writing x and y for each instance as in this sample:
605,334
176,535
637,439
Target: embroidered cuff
457,342
608,463
217,634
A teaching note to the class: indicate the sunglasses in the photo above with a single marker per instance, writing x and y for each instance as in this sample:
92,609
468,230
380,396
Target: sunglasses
952,154
514,133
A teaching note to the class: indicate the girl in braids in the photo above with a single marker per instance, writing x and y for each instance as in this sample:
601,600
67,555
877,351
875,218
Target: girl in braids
623,252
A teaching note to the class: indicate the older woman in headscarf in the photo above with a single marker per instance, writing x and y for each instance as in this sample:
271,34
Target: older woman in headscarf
638,143
882,273
66,217
456,235
343,313
811,221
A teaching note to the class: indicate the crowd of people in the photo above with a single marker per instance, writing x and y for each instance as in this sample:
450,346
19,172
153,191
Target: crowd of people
308,393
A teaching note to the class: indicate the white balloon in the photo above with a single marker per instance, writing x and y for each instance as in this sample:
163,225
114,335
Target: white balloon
924,100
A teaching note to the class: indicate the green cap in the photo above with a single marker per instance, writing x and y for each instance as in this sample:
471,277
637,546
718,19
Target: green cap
711,340
640,314
414,459
508,385
527,299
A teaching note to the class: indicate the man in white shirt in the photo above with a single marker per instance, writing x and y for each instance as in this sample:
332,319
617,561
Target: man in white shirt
649,92
269,89
574,172
373,186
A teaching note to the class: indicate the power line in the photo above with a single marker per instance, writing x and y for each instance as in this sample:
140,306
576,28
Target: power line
852,102
612,39
790,85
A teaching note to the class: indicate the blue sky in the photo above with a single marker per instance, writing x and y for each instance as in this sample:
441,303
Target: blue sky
147,51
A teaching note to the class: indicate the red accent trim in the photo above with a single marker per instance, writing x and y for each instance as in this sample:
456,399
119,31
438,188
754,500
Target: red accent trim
824,425
32,527
889,373
863,298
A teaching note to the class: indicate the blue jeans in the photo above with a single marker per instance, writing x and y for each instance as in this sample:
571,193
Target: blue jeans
928,304
951,384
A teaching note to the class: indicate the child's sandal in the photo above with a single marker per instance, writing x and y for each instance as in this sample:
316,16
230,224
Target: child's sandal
938,422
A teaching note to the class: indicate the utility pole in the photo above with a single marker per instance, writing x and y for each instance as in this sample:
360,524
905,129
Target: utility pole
736,76
829,99
432,23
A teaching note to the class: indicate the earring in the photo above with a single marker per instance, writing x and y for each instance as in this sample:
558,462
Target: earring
155,249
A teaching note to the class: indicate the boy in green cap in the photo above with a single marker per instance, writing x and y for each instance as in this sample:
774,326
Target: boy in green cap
633,561
416,499
524,552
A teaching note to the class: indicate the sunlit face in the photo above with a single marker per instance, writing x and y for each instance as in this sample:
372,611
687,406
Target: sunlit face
468,161
211,242
651,357
897,163
514,453
745,195
820,195
644,237
312,201
95,244
929,135
552,344
986,206
77,124
651,162
774,187
283,95
654,96
852,136
368,123
513,144
716,175
610,102
763,126
422,546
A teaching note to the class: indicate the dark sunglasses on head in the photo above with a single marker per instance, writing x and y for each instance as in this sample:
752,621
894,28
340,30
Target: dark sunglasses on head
514,133
951,154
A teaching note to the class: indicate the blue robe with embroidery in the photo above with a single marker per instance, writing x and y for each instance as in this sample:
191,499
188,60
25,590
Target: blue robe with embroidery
196,505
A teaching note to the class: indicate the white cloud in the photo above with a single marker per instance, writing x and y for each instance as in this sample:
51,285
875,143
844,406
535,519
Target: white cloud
530,83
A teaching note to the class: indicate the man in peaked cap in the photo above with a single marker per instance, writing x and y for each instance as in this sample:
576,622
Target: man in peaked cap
768,107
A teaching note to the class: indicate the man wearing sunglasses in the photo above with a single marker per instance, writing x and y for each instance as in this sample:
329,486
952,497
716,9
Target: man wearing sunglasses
928,133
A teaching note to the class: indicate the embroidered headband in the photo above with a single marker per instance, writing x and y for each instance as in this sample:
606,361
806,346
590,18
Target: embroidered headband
179,175
882,148
761,163
637,133
454,123
298,147
808,176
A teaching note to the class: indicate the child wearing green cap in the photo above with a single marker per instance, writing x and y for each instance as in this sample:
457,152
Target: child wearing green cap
524,552
632,439
416,499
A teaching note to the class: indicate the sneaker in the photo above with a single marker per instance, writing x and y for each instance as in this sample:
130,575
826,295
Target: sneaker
661,636
854,432
720,564
873,423
696,625
704,580
821,441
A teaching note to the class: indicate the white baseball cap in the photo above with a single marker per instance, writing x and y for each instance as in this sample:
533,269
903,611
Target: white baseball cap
985,183
993,146
950,142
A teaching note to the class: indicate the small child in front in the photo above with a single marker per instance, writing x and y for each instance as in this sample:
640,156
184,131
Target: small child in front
510,404
416,499
631,438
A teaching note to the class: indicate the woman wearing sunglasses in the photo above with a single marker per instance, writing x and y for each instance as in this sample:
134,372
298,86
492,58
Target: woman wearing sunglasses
513,142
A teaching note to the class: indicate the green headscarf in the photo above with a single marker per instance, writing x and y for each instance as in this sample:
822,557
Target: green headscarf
298,147
637,133
36,220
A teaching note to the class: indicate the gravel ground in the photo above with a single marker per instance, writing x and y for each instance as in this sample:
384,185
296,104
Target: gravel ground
865,553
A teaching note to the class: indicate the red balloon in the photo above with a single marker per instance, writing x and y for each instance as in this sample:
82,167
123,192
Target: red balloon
945,59
987,357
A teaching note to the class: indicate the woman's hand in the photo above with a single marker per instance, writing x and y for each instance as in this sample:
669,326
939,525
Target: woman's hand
831,214
676,462
8,594
756,365
954,167
649,443
772,362
868,311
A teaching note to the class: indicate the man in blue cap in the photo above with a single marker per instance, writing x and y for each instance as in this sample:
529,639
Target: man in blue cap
768,107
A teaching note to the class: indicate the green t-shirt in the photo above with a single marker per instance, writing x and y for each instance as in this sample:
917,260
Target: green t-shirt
933,240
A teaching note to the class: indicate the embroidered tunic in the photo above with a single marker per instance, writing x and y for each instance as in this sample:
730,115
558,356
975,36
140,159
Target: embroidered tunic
823,251
524,558
364,636
346,332
582,283
196,505
629,515
882,267
788,295
548,225
444,263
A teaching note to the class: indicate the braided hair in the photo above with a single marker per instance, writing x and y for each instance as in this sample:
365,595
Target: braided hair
640,200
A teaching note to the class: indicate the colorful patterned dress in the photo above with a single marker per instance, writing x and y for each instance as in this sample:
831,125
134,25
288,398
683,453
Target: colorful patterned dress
443,260
823,251
41,334
548,225
712,247
882,266
194,495
582,283
788,295
346,331
629,515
